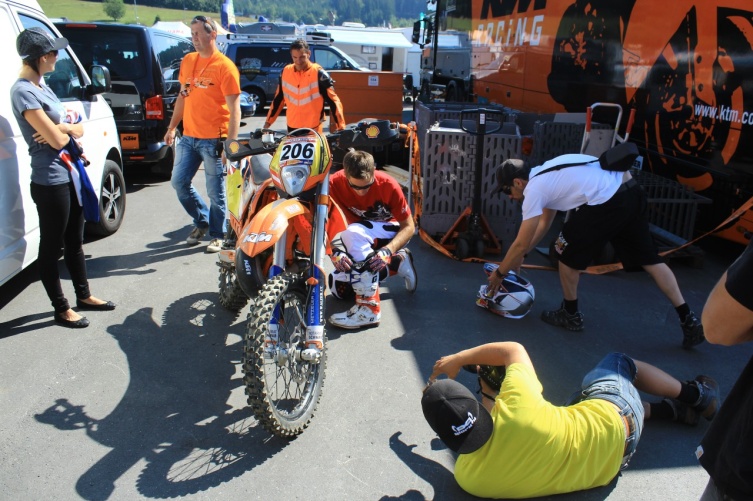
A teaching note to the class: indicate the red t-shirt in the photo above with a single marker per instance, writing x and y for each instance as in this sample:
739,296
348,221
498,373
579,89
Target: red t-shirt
383,202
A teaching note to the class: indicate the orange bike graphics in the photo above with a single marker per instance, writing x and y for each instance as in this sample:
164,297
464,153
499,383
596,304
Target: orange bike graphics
269,224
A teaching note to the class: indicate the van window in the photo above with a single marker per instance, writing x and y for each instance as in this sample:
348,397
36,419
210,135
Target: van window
330,60
120,51
250,59
66,80
170,52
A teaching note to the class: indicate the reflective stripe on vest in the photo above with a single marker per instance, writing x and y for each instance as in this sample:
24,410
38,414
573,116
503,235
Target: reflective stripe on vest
305,103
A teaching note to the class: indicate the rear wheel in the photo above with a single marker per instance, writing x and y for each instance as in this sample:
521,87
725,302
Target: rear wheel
232,296
282,388
112,200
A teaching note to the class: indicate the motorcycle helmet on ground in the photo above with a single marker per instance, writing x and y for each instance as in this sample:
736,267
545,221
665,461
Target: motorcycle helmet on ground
515,301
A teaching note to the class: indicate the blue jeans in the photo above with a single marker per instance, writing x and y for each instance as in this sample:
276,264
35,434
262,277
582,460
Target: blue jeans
190,152
612,380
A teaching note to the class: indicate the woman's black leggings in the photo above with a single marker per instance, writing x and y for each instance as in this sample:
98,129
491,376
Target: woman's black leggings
61,224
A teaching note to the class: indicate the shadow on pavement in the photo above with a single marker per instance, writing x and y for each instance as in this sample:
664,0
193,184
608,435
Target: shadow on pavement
175,412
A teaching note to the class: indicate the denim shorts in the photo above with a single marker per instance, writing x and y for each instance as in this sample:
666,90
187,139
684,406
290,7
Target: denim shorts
612,380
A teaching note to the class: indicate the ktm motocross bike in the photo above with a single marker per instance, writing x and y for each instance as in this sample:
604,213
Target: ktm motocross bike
281,222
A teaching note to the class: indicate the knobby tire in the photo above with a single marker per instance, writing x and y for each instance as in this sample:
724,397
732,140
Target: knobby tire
283,393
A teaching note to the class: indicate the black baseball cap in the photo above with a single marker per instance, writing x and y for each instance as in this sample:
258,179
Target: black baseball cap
509,170
452,411
36,42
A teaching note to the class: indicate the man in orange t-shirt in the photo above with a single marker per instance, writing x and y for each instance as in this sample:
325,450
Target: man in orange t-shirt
209,105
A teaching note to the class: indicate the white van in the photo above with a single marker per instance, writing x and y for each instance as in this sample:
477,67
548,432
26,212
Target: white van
19,226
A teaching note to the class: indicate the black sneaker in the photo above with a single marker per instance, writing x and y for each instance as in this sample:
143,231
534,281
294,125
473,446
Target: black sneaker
708,402
692,331
561,318
682,413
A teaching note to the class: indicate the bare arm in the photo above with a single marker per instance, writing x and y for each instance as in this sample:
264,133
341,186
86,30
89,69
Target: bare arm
234,105
47,132
175,120
517,251
726,321
502,353
545,222
403,235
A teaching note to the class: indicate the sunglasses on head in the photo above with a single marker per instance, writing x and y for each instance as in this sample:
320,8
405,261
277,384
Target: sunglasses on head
206,20
360,188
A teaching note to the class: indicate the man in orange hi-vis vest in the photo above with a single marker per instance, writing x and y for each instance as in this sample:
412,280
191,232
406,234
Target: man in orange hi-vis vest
304,88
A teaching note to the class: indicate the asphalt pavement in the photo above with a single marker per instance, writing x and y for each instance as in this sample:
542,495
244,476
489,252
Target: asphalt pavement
148,402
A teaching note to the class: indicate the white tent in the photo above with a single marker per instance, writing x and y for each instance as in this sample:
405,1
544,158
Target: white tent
175,27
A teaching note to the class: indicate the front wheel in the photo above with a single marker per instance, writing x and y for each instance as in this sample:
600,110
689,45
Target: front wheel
282,388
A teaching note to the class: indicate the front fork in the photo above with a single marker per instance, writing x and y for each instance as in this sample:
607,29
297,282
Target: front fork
314,320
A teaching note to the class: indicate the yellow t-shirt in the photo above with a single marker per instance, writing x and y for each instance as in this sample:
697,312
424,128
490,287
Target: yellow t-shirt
538,449
205,111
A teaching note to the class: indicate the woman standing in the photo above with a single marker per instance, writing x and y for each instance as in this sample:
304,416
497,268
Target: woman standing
41,115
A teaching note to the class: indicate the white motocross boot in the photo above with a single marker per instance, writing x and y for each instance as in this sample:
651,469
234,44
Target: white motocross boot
365,313
407,270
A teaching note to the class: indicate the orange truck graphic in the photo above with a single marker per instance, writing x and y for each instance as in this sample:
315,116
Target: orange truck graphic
685,66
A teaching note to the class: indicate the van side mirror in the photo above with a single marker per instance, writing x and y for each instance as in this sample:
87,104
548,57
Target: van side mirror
100,77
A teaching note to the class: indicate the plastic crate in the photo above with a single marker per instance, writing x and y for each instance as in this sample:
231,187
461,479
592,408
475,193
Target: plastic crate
449,164
671,206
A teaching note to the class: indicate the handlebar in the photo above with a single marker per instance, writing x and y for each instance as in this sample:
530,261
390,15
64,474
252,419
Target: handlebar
261,141
367,133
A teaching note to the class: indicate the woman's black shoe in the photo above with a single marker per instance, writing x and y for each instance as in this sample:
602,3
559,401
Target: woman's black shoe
108,306
72,324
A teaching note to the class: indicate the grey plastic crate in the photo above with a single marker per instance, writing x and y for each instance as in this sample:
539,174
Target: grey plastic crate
449,162
671,206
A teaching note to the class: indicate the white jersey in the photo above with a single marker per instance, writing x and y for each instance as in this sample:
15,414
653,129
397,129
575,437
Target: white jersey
568,188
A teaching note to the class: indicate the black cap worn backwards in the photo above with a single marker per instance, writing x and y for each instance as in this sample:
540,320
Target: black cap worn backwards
452,411
510,169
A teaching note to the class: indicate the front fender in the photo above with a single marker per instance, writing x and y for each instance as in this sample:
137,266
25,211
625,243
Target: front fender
269,224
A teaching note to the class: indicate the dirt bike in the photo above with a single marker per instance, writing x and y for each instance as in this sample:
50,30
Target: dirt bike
281,223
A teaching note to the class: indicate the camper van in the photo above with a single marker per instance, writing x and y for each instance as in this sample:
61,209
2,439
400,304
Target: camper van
19,238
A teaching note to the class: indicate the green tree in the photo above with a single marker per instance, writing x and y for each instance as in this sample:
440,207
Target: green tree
114,8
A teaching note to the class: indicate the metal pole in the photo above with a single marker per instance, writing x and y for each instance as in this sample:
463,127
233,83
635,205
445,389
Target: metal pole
435,42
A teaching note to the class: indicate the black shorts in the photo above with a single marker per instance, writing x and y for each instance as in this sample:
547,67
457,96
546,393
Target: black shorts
621,220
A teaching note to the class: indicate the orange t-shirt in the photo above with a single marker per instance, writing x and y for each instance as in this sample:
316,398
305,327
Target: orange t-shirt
205,111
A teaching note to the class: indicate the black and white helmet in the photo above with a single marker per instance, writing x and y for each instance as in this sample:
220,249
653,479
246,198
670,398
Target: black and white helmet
514,302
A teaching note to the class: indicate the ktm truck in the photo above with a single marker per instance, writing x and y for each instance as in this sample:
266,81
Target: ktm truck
685,66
